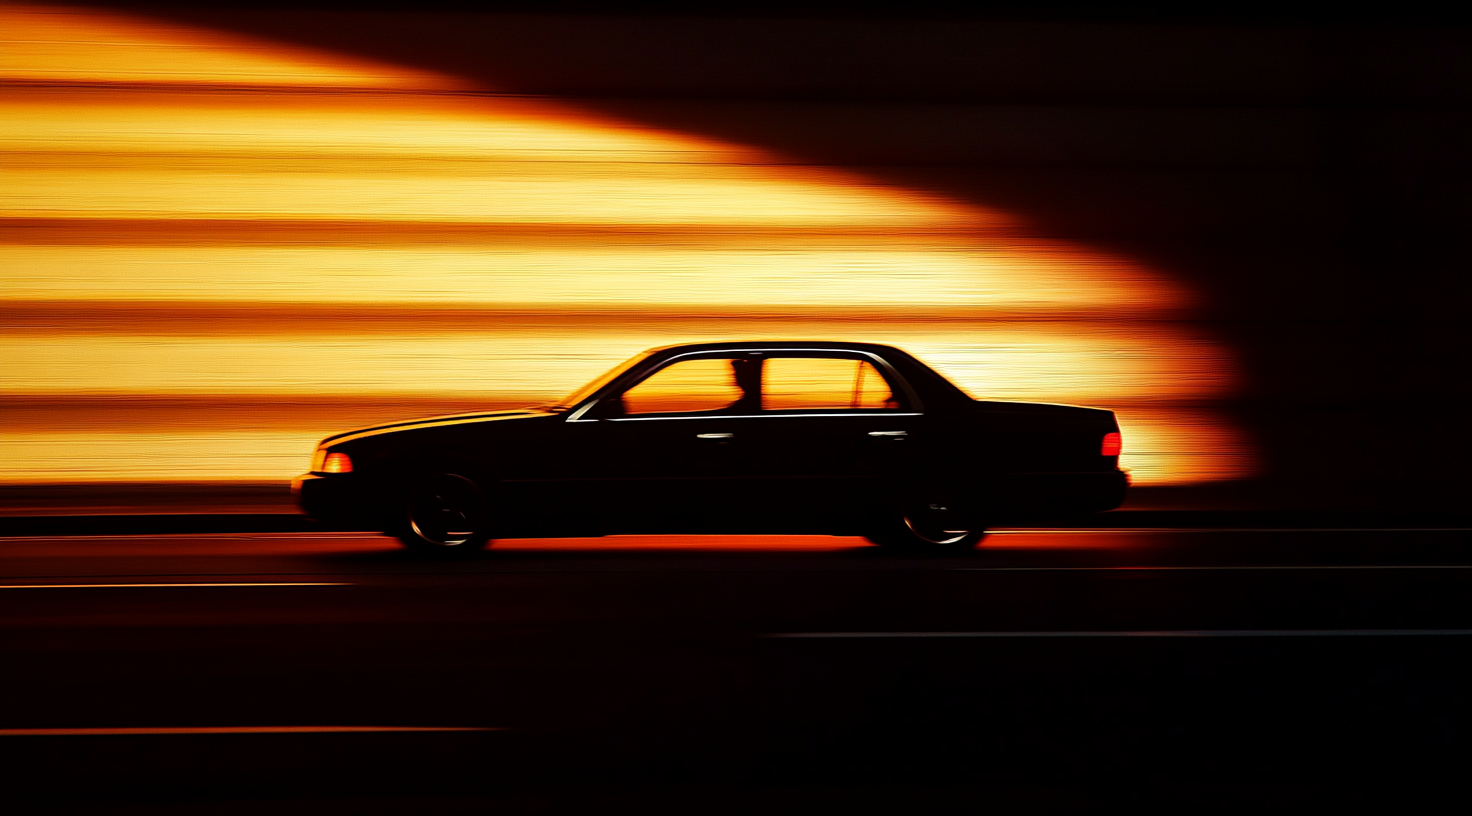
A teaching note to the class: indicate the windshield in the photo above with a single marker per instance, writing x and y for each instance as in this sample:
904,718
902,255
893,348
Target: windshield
588,390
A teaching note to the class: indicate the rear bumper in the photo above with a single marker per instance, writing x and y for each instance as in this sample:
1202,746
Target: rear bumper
337,499
1061,493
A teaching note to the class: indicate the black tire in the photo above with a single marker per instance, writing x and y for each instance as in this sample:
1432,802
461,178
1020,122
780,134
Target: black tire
444,513
931,520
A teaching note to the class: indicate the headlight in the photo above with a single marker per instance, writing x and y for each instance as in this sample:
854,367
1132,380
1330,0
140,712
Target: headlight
337,463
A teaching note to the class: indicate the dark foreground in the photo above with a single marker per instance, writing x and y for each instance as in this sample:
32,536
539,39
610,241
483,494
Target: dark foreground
1205,671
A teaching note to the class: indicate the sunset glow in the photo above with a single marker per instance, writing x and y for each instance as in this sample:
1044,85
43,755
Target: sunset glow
196,215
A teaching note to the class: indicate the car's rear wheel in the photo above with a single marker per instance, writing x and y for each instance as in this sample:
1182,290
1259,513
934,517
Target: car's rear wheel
931,520
443,513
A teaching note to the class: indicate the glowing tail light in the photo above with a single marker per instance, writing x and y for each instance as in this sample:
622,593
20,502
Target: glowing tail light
340,463
1113,443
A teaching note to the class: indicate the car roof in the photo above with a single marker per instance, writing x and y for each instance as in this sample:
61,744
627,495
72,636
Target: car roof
773,345
929,385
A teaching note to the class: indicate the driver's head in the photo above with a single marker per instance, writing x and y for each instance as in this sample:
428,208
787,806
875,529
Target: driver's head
747,373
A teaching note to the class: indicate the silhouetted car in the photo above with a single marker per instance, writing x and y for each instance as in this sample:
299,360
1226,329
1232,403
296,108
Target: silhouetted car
769,437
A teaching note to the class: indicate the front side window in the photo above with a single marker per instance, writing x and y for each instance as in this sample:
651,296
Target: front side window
690,386
824,383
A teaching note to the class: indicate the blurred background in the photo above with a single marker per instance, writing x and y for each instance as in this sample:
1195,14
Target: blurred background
230,232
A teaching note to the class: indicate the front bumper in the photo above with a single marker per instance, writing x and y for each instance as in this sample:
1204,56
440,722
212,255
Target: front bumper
339,499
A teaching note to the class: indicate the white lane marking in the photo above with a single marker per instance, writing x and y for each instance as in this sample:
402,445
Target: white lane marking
246,729
1164,633
1222,568
150,586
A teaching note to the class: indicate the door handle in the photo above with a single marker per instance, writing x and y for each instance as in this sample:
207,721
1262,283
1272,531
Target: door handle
895,435
716,437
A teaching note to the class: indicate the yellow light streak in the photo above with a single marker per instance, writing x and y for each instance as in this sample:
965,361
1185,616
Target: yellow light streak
1172,446
1070,363
526,193
535,273
205,455
359,126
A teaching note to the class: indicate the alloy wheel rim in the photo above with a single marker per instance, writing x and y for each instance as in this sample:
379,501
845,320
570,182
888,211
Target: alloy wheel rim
935,522
444,511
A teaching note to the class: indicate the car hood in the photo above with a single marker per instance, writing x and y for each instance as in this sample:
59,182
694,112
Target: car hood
429,422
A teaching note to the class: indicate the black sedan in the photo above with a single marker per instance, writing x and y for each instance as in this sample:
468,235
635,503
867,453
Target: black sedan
755,437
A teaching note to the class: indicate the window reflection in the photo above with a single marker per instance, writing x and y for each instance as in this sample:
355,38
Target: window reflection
823,383
689,385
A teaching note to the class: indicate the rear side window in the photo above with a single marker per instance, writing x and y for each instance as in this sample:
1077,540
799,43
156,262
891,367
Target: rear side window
823,383
688,386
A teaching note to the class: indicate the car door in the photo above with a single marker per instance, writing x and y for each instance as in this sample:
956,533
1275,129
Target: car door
836,428
670,452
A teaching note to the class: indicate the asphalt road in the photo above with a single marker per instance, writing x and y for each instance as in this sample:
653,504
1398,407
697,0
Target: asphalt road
1046,673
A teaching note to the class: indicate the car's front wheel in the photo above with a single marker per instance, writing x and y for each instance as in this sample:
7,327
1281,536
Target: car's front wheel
933,520
443,513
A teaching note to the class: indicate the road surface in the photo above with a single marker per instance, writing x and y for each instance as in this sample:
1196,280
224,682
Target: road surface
324,672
